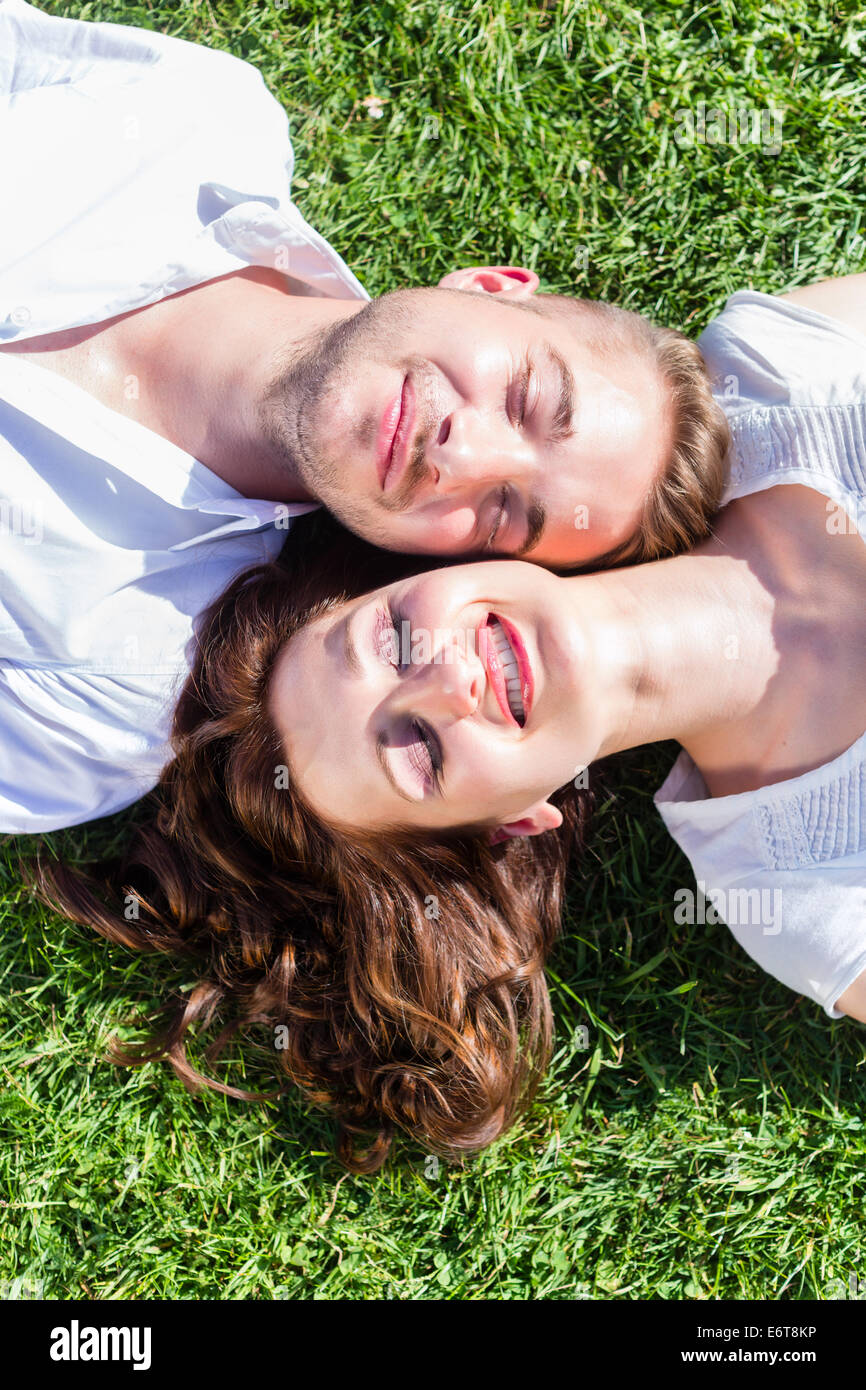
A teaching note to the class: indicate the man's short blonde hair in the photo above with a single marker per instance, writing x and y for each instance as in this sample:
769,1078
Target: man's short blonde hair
688,490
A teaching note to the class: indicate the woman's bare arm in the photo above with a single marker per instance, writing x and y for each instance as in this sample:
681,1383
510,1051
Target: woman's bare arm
842,298
853,1001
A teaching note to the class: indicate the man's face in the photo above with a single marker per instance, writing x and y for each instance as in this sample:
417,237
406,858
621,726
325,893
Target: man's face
437,421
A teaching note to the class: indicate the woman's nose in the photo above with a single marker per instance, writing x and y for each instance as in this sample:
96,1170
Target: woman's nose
448,687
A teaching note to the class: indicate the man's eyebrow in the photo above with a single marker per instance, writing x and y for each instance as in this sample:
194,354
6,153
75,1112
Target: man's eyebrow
562,427
536,517
381,745
564,414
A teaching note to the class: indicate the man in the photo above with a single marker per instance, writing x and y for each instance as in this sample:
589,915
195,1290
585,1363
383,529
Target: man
542,434
178,344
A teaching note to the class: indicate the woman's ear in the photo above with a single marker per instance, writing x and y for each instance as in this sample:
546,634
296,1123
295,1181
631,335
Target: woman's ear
507,281
540,817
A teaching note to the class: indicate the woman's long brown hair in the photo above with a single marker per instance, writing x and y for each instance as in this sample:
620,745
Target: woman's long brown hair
403,979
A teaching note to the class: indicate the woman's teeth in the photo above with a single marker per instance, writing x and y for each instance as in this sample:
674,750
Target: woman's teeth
510,669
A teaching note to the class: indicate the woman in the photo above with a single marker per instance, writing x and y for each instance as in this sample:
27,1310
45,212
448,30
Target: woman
327,841
398,980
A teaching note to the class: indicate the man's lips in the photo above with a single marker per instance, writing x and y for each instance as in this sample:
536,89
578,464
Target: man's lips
387,430
495,674
395,437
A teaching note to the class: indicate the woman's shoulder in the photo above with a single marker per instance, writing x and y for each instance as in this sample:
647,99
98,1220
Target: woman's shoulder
763,350
799,823
784,867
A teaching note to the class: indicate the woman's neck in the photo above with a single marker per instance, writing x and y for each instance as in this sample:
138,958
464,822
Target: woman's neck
681,649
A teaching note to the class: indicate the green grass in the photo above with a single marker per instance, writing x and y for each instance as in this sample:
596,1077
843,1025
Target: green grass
708,1143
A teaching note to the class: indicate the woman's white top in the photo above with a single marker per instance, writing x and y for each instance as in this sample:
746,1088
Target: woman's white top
785,866
132,166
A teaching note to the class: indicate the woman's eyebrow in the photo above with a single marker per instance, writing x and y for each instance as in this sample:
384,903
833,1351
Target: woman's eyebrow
350,651
386,767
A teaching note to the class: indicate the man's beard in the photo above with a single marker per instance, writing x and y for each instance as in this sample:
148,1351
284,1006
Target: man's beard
293,413
314,367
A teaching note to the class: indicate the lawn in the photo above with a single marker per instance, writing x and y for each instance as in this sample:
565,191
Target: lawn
700,1132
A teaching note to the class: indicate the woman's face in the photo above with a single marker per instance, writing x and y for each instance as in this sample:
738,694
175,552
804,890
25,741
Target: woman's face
456,698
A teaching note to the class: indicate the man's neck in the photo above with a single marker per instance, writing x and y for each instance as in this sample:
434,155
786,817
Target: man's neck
202,361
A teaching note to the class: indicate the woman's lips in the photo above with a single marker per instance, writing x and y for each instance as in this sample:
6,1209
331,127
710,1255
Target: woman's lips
495,675
399,418
527,681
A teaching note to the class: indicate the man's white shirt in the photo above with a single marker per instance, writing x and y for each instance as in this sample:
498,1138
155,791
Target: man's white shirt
132,166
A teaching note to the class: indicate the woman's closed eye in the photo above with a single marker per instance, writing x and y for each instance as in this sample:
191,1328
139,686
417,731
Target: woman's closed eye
424,754
415,742
402,635
392,639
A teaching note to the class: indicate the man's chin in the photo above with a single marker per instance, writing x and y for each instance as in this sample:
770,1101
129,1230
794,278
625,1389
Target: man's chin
384,537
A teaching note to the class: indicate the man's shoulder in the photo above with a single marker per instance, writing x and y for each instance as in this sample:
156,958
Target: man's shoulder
40,49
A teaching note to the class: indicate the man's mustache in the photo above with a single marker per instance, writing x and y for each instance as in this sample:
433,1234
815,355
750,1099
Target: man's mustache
426,428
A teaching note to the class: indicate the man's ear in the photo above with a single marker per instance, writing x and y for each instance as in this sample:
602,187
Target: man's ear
540,817
507,281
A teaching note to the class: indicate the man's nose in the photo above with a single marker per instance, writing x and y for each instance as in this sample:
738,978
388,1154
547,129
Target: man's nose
473,447
448,687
